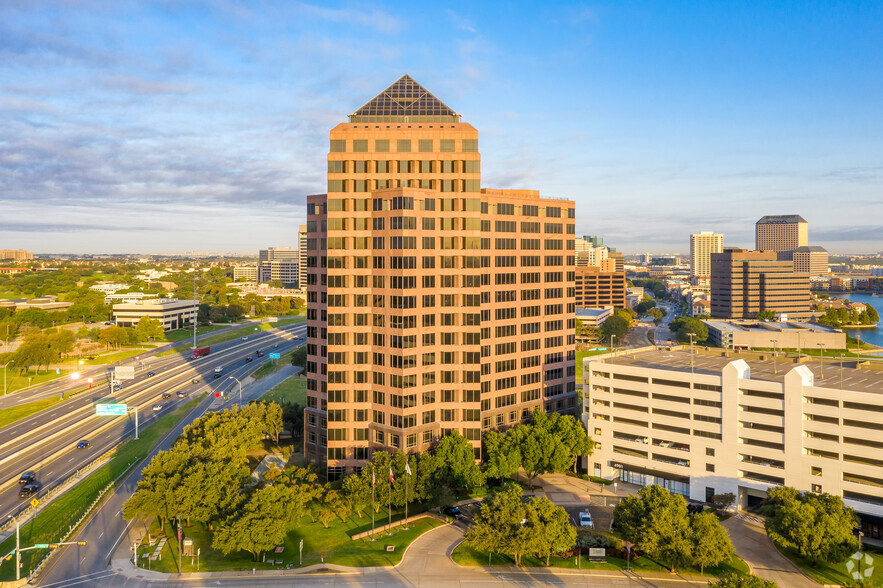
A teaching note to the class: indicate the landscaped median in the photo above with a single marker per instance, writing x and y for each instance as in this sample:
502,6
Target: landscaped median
50,525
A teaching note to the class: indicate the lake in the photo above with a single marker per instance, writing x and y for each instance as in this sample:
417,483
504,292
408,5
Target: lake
872,336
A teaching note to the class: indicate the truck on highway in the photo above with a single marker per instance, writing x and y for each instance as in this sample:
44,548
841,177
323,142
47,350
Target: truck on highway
201,352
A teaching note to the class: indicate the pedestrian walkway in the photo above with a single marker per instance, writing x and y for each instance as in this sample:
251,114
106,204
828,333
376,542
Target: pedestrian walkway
752,545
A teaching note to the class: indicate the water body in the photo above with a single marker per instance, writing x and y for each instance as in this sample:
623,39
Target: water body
872,336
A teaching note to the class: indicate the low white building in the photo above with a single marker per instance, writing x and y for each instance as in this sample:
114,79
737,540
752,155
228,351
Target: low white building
707,424
172,313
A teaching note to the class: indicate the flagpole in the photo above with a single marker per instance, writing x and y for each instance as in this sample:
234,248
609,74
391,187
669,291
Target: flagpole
407,483
389,513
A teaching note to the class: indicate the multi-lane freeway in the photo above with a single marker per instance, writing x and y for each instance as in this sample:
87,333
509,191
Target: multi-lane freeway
46,442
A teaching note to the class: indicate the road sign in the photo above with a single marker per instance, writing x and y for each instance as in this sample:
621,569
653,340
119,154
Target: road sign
34,502
273,319
110,410
126,372
274,356
41,546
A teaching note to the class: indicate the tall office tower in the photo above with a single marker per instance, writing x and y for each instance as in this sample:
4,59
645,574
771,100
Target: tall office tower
618,260
594,240
588,254
782,234
812,260
302,256
432,305
702,245
744,283
266,257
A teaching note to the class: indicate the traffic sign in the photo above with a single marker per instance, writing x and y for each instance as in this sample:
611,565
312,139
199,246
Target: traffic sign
34,502
274,356
41,546
110,410
124,372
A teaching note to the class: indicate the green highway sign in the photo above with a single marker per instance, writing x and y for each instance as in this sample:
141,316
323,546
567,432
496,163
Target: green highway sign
110,410
41,545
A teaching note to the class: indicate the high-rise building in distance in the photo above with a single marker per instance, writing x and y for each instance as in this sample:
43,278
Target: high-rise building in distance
782,234
812,260
433,305
744,283
702,245
279,263
16,254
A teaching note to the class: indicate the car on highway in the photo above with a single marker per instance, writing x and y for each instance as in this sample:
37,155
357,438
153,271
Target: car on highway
248,359
260,353
151,374
245,338
83,444
28,490
182,394
194,381
166,395
117,387
157,407
216,375
452,511
275,346
90,357
585,520
27,477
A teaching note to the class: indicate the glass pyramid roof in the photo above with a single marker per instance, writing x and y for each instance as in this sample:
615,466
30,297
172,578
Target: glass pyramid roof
405,101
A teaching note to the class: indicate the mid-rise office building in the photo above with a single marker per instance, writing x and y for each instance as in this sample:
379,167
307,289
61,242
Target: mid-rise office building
702,245
782,234
596,288
433,305
588,254
249,273
279,263
811,260
172,313
15,255
744,283
617,259
702,424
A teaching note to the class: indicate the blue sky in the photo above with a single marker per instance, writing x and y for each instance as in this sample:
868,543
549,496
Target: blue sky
201,126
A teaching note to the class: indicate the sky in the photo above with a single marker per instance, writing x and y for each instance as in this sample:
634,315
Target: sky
174,126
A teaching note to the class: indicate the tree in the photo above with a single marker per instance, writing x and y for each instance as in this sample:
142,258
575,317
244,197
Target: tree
873,315
551,528
325,513
293,418
766,315
570,432
502,456
358,492
114,336
497,527
723,501
711,544
149,328
339,504
684,326
657,314
299,357
749,581
259,527
456,462
547,445
615,326
817,526
656,521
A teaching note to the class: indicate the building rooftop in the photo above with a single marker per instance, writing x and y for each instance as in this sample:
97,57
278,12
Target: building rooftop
860,380
811,249
778,326
405,100
780,219
594,312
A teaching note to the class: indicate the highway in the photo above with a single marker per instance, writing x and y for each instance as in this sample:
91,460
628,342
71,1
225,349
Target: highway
46,442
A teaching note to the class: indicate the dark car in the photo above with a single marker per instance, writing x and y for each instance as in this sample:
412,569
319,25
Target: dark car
248,359
260,353
216,375
195,381
83,444
151,374
181,394
28,489
27,477
275,346
693,508
452,511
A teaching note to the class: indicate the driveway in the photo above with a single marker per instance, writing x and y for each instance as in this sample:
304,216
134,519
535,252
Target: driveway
751,544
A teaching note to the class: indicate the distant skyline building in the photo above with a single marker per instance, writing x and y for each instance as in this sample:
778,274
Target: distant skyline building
812,260
15,255
782,234
589,254
279,263
744,283
702,245
433,305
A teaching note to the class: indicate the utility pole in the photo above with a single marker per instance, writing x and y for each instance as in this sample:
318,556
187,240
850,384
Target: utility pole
821,365
240,390
691,335
841,371
775,351
195,308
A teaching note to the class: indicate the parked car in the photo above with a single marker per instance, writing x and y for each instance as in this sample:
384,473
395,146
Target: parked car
28,490
157,407
452,511
585,520
27,477
83,444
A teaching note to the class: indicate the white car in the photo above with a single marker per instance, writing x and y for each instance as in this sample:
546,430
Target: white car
245,338
157,407
585,520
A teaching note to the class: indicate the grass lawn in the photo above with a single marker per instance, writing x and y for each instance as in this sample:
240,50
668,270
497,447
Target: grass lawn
289,320
293,389
215,339
14,382
16,413
181,334
579,362
271,366
50,525
466,555
835,573
333,543
119,355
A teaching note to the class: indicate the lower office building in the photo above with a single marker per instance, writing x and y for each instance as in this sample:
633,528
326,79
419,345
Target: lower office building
173,314
596,288
706,424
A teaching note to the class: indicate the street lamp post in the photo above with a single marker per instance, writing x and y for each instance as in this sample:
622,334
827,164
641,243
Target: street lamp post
775,343
691,335
841,371
4,374
612,344
17,549
821,365
240,390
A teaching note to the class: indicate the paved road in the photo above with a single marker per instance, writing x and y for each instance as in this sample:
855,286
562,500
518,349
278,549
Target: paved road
45,442
663,333
752,544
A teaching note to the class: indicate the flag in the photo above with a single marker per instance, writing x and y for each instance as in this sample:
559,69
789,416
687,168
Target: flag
390,475
408,469
373,479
